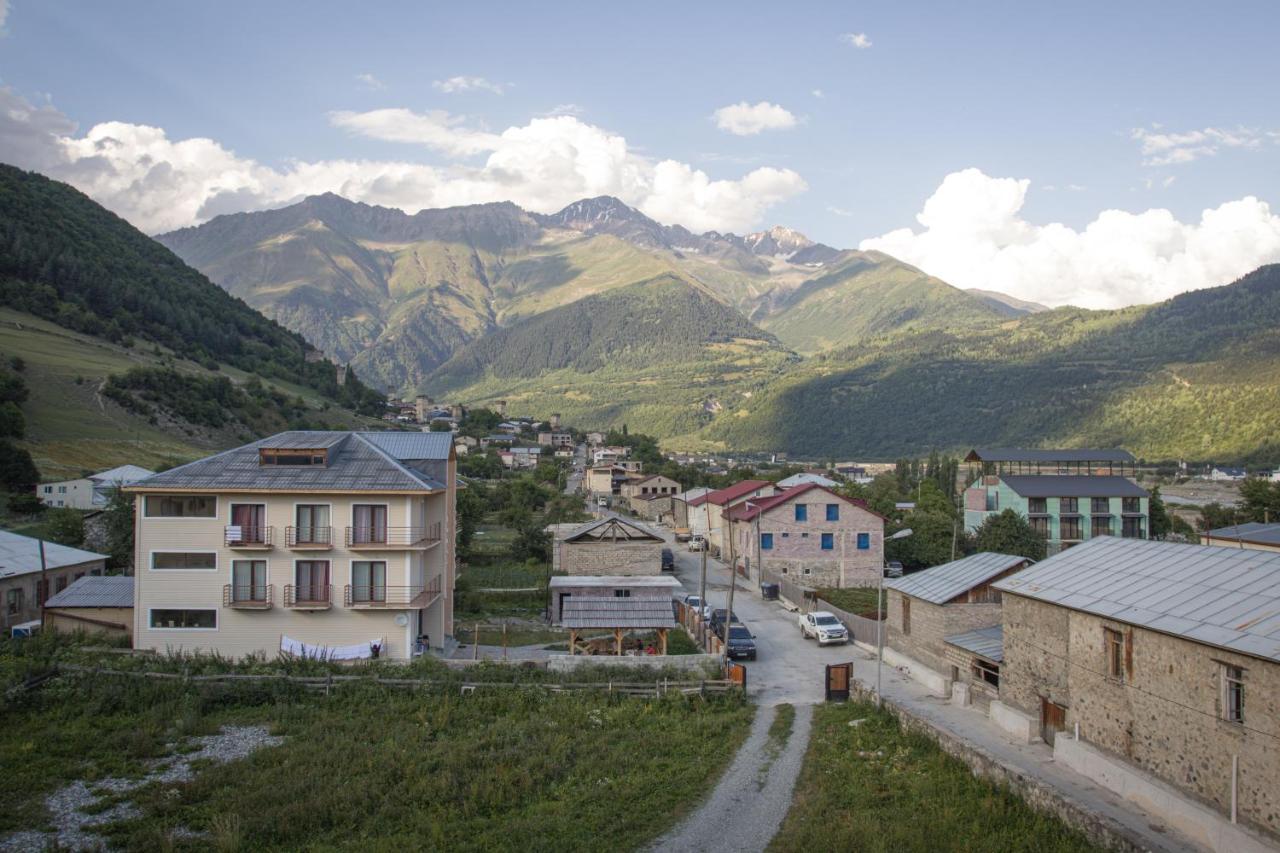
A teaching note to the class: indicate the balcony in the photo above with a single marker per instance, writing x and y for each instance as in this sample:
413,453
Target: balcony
248,538
308,538
308,597
362,597
247,596
392,538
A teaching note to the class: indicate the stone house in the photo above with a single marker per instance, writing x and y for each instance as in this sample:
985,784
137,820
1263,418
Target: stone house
1167,657
1251,534
925,611
22,592
609,546
706,513
605,480
810,534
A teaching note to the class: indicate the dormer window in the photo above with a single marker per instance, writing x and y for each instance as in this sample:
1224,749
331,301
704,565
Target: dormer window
292,457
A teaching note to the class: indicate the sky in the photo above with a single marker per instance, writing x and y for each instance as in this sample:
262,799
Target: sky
1098,154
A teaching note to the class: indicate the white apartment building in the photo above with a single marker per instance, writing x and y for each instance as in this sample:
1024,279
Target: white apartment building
317,543
90,492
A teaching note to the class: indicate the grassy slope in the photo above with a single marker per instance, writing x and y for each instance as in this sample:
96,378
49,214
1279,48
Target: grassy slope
71,429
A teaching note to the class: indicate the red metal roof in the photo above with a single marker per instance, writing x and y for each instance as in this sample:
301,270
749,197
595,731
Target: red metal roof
730,493
750,509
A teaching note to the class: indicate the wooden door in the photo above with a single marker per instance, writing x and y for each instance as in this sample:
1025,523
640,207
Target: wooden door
837,683
1053,719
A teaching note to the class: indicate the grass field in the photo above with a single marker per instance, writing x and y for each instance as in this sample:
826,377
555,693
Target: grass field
856,600
872,787
373,767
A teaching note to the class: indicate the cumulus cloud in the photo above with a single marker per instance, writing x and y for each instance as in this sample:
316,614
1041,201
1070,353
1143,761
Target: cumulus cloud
369,81
818,93
745,119
1168,149
467,84
160,184
974,235
858,40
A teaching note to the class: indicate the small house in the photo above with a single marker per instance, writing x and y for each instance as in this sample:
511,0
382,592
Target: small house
93,604
608,546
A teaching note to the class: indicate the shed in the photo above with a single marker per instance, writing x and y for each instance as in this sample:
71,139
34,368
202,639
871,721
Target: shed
616,603
95,604
607,546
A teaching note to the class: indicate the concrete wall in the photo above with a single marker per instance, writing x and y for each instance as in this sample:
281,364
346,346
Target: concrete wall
930,623
77,494
1164,716
59,579
610,558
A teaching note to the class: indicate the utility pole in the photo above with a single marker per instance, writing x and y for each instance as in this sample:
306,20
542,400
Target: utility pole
44,582
702,592
733,584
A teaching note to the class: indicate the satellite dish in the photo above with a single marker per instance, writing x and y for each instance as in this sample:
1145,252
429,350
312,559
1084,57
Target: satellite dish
402,620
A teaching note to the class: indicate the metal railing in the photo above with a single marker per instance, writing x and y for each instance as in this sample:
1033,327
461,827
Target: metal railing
308,537
392,537
241,536
255,596
308,596
380,595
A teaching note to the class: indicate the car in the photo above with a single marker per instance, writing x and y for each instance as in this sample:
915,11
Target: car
717,618
682,534
697,543
741,642
695,603
893,569
668,560
602,501
823,627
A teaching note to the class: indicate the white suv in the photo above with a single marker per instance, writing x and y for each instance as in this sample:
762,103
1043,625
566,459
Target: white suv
823,627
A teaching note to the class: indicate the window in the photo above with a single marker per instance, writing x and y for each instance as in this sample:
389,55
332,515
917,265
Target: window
833,512
62,490
48,490
1040,525
993,501
988,673
13,601
828,541
1068,505
248,524
1100,525
189,620
1069,528
313,524
1131,528
369,523
312,579
906,615
60,584
248,580
802,512
1037,506
183,560
622,593
766,541
181,506
864,541
292,456
1131,505
1113,643
1232,678
1100,506
42,592
369,580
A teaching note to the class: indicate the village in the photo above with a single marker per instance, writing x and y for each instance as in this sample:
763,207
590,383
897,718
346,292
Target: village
1060,633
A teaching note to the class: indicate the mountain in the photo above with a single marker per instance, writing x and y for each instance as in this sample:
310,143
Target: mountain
88,297
1010,306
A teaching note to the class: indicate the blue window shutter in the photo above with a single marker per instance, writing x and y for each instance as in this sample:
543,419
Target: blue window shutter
828,541
766,541
802,512
833,512
864,541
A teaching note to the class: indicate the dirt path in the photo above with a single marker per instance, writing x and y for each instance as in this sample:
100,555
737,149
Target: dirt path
747,806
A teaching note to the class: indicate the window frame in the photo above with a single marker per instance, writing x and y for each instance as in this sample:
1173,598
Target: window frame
864,541
766,541
1113,648
151,559
828,542
151,611
801,512
253,587
833,512
146,508
1231,681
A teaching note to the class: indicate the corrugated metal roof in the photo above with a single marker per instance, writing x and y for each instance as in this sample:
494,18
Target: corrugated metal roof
805,477
412,445
1073,486
20,555
1250,531
1224,597
612,527
984,642
122,474
355,464
107,591
731,493
1017,454
613,581
589,612
943,583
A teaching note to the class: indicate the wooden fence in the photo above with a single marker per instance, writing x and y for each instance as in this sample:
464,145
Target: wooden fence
860,628
329,682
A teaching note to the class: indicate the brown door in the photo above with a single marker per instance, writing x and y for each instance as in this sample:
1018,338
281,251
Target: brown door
1053,719
838,681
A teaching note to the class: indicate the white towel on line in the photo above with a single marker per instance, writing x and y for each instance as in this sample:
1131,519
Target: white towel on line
320,652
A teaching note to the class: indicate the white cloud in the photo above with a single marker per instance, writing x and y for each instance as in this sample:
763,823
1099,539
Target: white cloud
839,211
743,119
160,184
1168,149
4,13
467,84
565,110
974,236
369,81
858,40
818,93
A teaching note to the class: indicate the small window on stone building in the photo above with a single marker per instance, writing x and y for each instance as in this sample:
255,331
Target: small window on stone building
1232,678
1113,643
808,571
906,615
622,593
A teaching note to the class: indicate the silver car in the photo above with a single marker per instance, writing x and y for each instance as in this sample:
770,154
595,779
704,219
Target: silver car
823,627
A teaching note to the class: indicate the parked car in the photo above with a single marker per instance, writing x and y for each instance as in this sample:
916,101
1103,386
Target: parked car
823,627
718,618
697,543
682,534
668,560
602,501
741,642
695,602
893,569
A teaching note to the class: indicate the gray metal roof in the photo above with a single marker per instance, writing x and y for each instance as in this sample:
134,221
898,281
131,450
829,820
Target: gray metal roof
984,642
122,474
590,612
107,591
1224,597
412,445
357,464
1017,454
611,528
943,583
1250,531
1073,486
20,555
613,581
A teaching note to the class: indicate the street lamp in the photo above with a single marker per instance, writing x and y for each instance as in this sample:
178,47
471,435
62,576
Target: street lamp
901,534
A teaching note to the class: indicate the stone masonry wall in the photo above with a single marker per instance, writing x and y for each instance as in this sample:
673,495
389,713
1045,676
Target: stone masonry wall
611,558
930,623
797,545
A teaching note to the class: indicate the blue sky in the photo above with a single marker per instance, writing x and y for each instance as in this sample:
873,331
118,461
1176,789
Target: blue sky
1047,94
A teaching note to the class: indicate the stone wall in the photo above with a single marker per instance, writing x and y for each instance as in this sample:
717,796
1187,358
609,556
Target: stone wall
610,558
930,623
1164,715
797,545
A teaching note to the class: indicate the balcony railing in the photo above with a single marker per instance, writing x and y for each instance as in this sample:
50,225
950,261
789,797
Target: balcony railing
386,538
379,596
308,538
308,597
241,536
247,596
